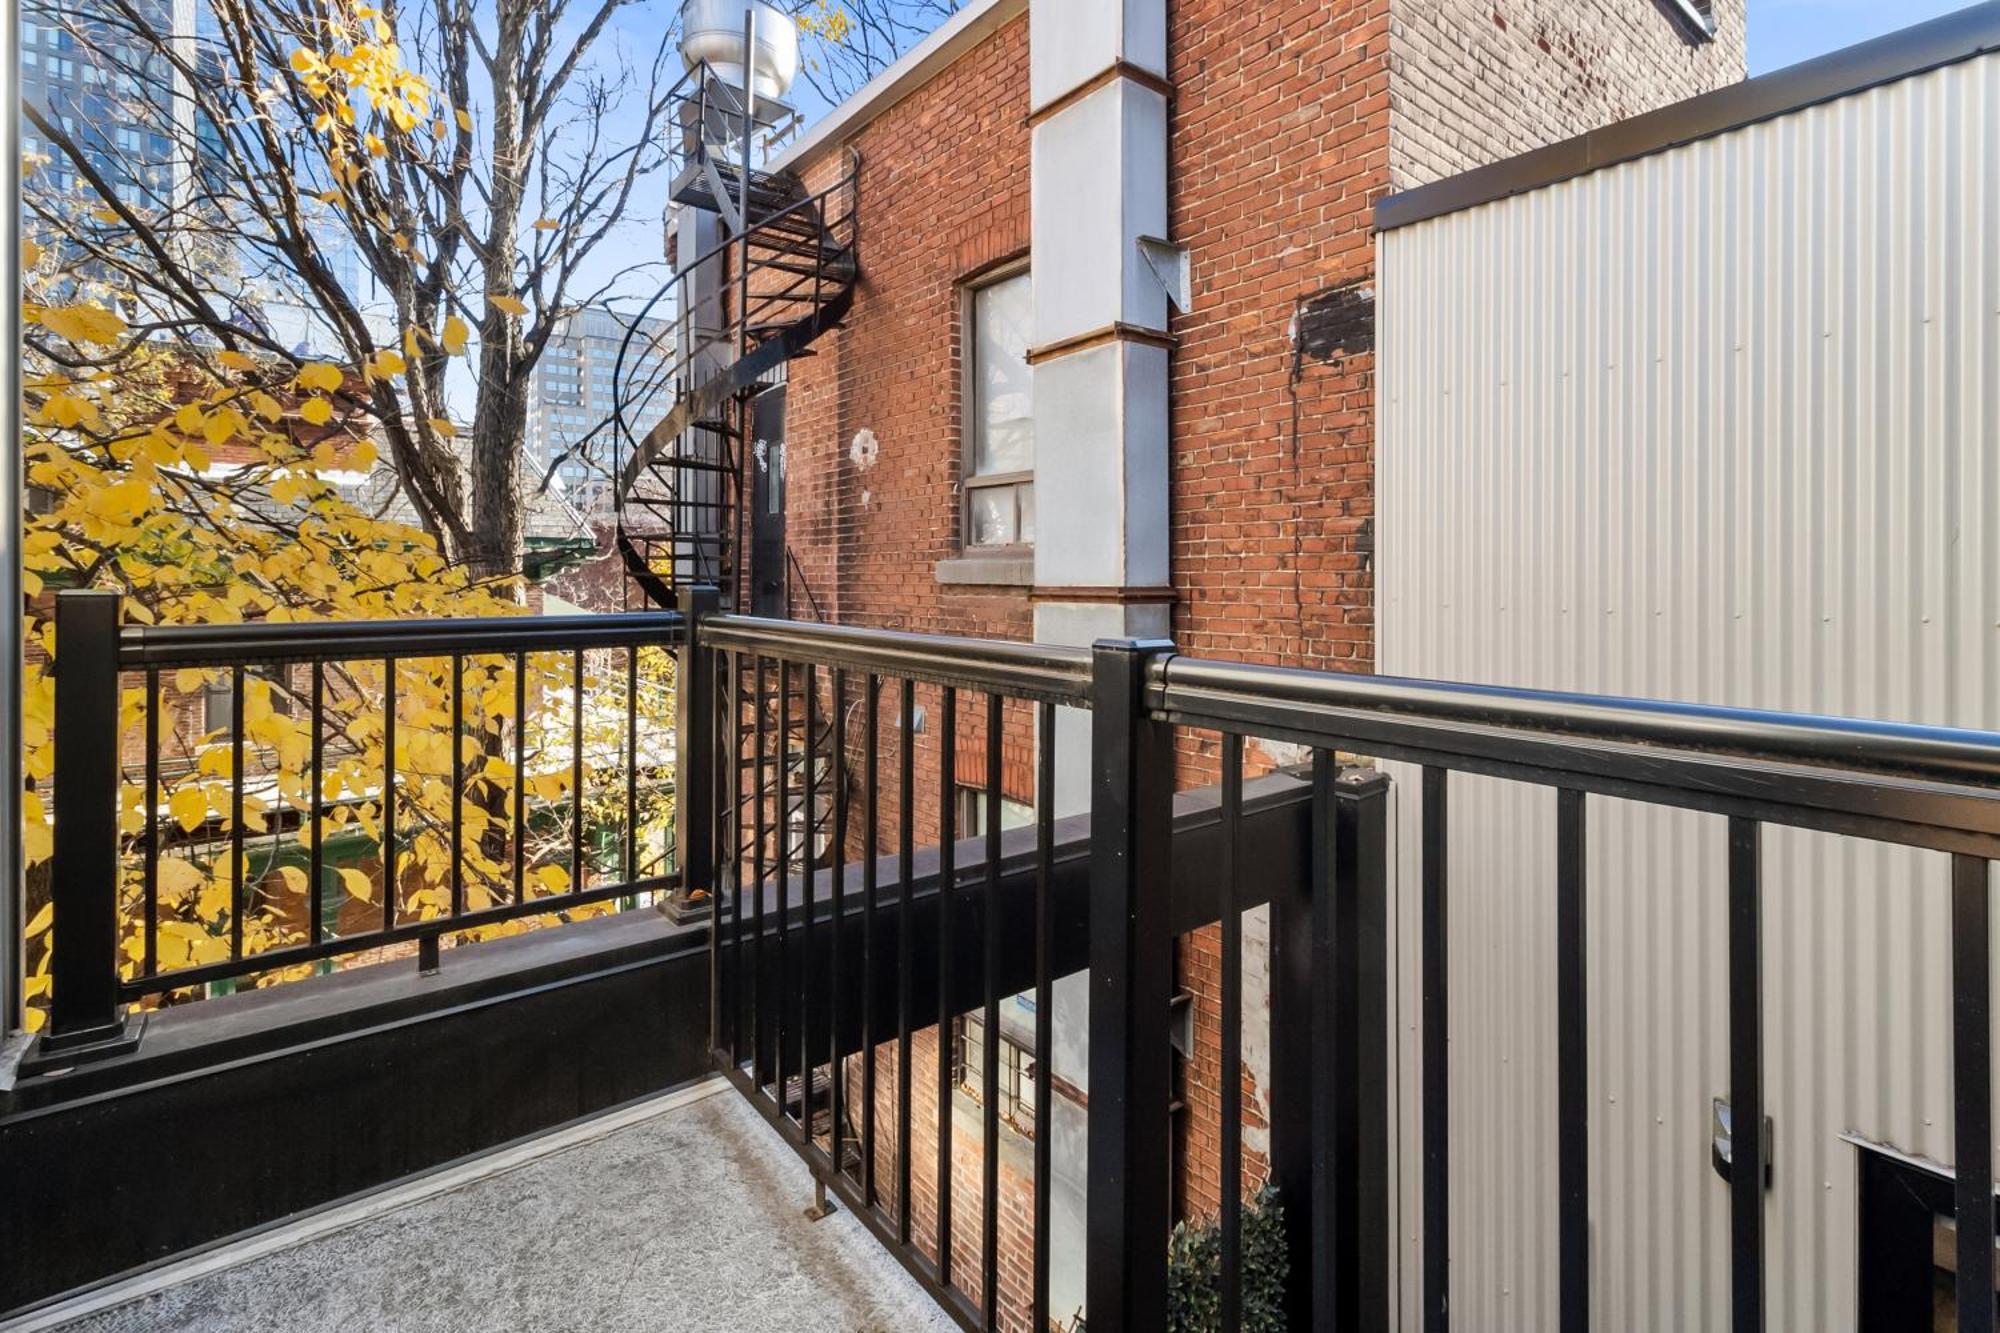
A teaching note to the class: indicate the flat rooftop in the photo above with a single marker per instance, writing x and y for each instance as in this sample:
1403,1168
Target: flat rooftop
684,1212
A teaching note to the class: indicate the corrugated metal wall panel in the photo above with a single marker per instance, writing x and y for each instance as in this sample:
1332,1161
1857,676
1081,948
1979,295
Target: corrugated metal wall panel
1721,424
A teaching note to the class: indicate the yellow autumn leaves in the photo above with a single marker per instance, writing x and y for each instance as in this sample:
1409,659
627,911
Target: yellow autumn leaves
83,323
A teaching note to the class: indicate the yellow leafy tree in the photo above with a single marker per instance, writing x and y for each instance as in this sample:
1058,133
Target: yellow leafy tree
208,485
482,172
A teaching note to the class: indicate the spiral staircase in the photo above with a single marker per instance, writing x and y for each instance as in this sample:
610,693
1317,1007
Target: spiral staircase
781,276
789,260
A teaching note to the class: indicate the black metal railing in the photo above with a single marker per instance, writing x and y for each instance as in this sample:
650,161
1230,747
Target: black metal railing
487,771
823,978
840,980
783,1036
1927,787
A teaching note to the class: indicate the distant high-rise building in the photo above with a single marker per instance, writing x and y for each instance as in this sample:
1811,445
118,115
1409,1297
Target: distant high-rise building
118,99
135,123
570,407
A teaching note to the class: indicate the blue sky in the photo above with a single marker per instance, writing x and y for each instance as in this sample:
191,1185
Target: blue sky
1784,32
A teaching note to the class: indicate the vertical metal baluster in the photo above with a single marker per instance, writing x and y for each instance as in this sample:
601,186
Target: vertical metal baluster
1972,1088
1231,1084
1746,1077
1045,819
84,954
782,855
1436,1077
520,777
759,1010
808,973
151,923
1572,1067
388,793
236,686
870,784
458,784
836,765
632,765
722,717
740,975
947,891
989,1071
577,873
1322,999
315,890
905,952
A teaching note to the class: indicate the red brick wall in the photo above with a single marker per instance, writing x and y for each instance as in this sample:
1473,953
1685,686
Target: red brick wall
1015,1245
944,195
1279,148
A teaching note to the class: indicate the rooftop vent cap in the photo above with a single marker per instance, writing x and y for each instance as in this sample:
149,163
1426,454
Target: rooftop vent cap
712,30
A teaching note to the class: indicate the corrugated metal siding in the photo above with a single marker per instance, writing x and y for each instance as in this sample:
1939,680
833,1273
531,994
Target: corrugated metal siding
1721,424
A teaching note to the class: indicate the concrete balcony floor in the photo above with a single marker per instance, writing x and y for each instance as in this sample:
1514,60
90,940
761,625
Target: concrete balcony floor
684,1213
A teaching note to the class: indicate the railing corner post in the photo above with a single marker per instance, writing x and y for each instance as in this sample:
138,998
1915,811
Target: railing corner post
1361,1099
1330,1072
1131,991
695,758
86,1020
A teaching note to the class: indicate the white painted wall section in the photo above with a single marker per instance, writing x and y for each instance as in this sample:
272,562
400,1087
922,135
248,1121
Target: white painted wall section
1072,42
1103,500
1099,185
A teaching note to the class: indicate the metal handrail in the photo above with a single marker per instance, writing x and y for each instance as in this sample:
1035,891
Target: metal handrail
352,640
1325,702
1037,671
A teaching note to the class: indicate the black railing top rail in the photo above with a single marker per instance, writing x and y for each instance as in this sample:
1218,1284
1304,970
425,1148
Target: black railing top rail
1928,786
470,875
1042,672
142,646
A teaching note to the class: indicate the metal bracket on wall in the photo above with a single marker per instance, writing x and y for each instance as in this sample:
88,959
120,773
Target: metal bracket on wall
1170,264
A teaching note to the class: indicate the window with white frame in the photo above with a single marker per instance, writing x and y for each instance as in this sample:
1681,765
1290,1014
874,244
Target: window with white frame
1000,415
1016,1067
972,806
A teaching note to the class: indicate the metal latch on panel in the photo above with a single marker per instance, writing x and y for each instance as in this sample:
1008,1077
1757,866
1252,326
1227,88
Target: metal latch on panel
1721,1140
1169,263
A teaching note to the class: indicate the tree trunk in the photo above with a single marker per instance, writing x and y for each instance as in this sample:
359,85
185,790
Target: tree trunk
499,436
499,426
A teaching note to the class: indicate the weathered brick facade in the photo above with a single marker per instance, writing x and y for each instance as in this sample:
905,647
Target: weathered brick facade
1288,121
1475,81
